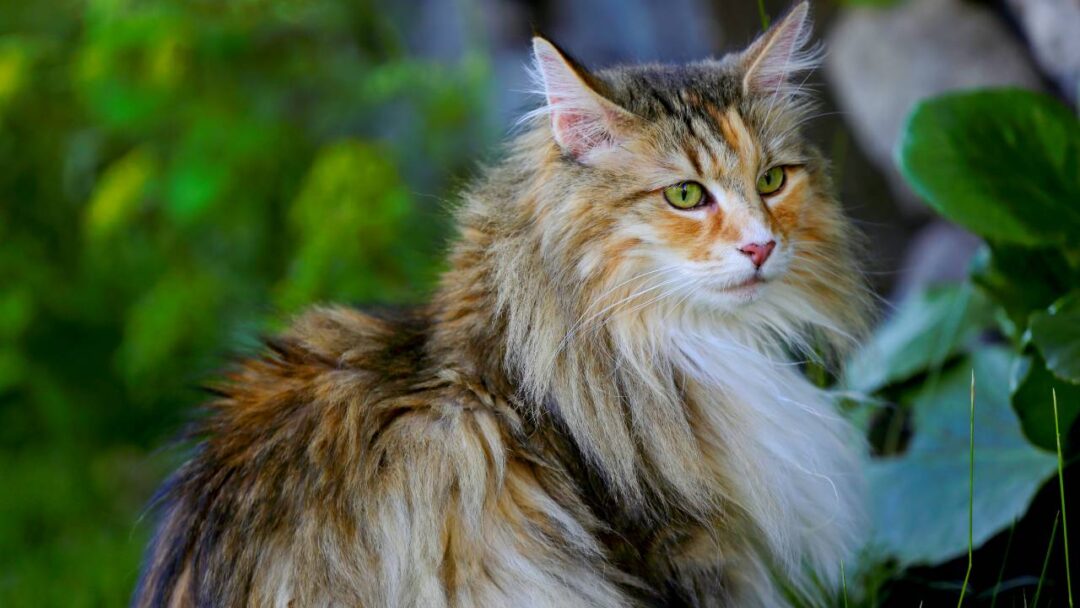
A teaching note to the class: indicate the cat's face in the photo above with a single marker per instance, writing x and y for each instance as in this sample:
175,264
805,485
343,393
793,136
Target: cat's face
691,185
706,193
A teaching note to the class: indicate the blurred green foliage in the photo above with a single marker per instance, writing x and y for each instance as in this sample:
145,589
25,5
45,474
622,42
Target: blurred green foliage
177,176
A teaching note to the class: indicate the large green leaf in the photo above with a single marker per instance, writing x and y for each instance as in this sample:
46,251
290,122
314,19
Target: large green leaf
927,329
1003,163
920,499
1022,280
1031,386
1056,332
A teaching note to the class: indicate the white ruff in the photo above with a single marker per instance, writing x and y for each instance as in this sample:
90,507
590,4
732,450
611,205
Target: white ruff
777,442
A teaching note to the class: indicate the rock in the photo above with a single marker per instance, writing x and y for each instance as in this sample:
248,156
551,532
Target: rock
881,61
939,253
1052,28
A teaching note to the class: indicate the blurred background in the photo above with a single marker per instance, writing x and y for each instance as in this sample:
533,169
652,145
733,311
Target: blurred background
177,177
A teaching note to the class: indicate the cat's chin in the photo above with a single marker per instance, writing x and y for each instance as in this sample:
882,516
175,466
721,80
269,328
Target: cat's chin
738,295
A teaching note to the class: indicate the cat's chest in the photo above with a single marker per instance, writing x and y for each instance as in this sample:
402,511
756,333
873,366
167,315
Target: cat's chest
778,452
753,404
764,422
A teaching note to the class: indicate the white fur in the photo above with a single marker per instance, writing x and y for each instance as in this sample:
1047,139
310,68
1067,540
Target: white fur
792,458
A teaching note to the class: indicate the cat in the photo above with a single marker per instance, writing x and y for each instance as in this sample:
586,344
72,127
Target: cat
602,405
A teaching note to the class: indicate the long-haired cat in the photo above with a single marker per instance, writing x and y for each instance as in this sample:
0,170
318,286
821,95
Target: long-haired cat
601,406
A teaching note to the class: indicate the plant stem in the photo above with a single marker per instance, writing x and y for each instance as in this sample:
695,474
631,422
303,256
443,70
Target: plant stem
763,14
971,490
1061,490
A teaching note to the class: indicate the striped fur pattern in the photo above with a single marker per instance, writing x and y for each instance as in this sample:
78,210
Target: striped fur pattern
602,404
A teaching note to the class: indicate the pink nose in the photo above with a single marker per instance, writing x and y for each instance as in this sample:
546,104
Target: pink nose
758,252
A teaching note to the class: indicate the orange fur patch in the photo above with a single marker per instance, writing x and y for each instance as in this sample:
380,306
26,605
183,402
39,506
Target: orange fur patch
786,213
697,237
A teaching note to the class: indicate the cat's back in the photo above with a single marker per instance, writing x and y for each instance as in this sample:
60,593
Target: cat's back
335,377
300,451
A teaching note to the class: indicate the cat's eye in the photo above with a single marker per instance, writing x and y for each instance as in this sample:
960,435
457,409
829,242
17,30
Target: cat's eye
686,195
771,181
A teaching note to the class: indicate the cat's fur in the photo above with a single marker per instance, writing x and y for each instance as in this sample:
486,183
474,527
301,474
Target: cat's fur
590,412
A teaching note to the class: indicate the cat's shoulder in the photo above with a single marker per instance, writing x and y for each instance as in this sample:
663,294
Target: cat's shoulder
337,379
348,338
331,358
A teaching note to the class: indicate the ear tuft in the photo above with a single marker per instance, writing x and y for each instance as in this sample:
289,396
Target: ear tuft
583,121
780,53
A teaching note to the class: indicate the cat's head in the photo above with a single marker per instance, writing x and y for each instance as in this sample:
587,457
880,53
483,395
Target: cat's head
691,187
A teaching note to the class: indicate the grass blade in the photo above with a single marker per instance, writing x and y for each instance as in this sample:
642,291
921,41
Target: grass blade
1061,490
1046,561
1004,561
843,583
764,16
971,491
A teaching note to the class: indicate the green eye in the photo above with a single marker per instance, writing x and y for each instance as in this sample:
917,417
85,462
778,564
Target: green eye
771,181
686,195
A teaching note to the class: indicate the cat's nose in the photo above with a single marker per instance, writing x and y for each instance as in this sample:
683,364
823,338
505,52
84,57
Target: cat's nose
758,252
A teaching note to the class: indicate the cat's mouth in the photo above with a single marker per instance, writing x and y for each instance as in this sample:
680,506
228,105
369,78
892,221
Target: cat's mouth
755,281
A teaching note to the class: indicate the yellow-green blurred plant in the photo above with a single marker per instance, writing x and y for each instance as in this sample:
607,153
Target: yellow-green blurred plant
176,176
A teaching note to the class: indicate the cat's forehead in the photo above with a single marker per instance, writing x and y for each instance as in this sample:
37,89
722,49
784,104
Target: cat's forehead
655,91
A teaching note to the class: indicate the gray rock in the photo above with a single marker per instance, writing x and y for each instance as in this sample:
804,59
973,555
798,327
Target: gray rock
939,253
881,61
1053,30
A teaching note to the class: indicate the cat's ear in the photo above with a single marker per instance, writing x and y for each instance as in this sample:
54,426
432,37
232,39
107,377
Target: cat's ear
583,121
773,60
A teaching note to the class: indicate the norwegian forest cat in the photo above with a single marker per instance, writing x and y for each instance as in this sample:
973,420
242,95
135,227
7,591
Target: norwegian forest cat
601,406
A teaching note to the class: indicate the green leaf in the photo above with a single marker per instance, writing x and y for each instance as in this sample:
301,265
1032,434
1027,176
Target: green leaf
15,58
349,219
1004,164
119,193
927,329
1031,387
920,499
1056,333
193,187
1021,280
12,367
16,311
167,323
